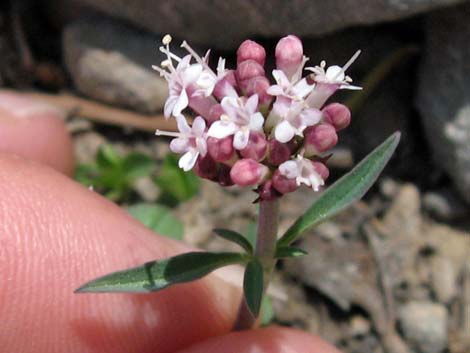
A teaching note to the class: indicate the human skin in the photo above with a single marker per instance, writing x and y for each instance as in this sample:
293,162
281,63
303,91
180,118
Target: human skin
56,234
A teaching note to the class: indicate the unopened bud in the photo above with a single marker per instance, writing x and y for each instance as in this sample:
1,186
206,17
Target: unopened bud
278,152
226,86
258,85
221,150
202,105
247,172
215,112
283,184
321,169
337,114
250,50
248,69
289,54
206,168
256,147
319,138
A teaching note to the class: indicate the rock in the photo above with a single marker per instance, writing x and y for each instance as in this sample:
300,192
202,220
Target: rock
112,63
443,98
86,146
443,279
444,205
424,325
225,24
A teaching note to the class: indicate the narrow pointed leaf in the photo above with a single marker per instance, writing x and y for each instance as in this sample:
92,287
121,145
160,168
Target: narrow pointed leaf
253,286
156,275
235,237
345,191
289,251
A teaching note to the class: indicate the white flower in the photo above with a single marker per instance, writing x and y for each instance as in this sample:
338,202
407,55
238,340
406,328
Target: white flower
186,80
334,75
294,117
239,119
190,141
294,89
302,170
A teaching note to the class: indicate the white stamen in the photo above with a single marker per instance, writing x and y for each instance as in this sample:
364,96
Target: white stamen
348,64
224,117
199,60
167,133
169,54
166,39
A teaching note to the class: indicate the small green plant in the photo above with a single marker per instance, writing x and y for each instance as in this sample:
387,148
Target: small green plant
248,132
113,175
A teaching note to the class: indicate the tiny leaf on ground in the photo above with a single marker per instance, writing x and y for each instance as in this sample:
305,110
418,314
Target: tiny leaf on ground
289,251
158,218
157,275
346,190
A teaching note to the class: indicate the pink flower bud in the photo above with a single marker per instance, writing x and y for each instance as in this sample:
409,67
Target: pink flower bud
256,148
247,172
319,138
289,54
206,168
202,105
257,85
248,69
226,86
337,114
221,150
250,50
321,169
214,113
283,184
278,152
267,192
224,175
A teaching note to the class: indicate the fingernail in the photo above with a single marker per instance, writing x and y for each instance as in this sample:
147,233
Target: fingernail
23,107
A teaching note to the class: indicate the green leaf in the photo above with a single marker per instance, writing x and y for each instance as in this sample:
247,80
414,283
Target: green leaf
289,251
348,189
158,218
235,237
253,285
107,157
136,165
175,182
267,311
157,275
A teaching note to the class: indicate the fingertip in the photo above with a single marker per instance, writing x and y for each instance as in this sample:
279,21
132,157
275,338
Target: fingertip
267,340
36,131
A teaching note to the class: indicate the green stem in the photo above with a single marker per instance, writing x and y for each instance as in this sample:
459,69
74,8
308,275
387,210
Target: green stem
265,250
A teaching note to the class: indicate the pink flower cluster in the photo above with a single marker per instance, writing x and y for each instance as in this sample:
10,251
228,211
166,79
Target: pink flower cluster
249,131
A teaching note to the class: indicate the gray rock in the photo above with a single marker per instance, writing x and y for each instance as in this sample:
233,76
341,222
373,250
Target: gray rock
443,279
225,24
424,325
443,97
112,63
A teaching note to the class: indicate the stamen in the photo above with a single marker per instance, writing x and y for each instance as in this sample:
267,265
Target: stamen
199,60
298,74
166,39
348,64
169,54
224,117
167,133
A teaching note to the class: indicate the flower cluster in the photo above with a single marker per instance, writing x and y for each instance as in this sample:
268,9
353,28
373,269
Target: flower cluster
248,130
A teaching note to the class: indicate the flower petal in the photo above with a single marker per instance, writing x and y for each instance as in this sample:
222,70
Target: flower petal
335,73
284,132
275,90
199,125
240,139
169,105
302,88
179,145
251,104
281,78
310,116
289,169
256,122
191,74
182,124
181,103
221,129
188,160
201,146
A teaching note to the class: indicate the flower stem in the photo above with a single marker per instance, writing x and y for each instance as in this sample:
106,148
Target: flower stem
265,249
